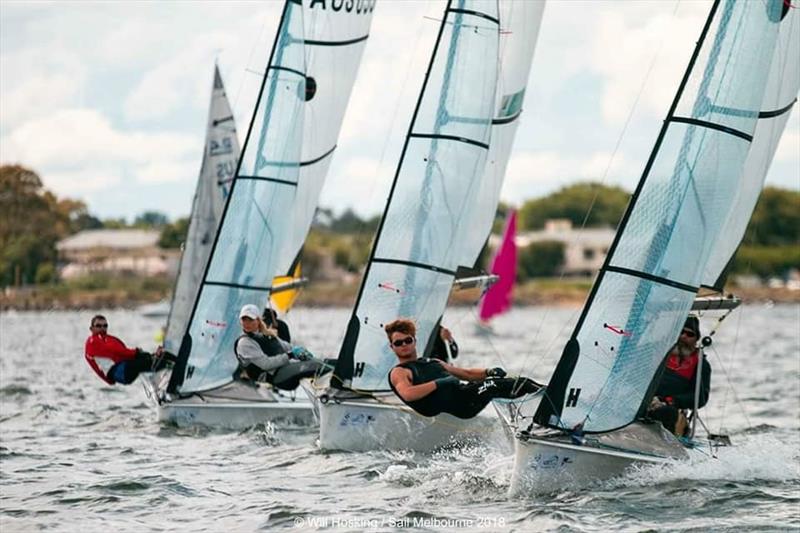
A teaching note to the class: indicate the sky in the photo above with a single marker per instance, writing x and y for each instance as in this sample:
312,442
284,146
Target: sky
108,101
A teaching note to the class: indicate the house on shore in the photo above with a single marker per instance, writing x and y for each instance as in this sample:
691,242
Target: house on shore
115,251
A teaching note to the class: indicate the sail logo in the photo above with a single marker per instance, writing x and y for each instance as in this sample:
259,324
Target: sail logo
359,7
572,398
359,371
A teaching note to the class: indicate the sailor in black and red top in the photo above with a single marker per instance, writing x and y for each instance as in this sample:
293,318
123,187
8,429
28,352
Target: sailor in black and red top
676,389
113,361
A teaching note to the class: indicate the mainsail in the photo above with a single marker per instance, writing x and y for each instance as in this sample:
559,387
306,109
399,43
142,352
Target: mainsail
686,216
286,155
220,156
497,299
442,201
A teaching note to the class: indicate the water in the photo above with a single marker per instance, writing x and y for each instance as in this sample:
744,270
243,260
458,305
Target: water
77,455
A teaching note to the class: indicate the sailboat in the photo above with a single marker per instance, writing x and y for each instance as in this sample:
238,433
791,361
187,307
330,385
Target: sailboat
682,226
268,212
438,215
497,299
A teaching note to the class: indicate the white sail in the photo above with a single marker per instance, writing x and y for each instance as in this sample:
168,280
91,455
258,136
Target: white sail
779,97
220,157
668,236
444,197
292,137
519,30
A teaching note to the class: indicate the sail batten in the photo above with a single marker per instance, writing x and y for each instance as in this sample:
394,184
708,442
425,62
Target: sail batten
678,224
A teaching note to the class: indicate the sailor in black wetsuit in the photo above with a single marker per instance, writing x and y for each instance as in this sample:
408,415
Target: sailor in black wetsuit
431,387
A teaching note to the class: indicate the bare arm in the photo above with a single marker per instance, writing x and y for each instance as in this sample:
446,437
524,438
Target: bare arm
403,384
467,374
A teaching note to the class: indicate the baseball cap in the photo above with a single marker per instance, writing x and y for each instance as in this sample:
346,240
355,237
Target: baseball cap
249,311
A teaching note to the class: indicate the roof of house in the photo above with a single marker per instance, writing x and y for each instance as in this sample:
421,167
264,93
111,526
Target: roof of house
110,238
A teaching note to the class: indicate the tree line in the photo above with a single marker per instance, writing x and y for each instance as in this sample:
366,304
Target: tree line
33,220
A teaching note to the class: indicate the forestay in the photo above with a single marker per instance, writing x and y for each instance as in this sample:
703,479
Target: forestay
220,157
441,205
666,241
286,156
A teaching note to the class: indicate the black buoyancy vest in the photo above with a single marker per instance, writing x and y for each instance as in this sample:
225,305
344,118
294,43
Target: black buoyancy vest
268,344
423,371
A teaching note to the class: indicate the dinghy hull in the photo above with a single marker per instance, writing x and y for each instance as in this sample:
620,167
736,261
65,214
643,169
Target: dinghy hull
235,406
551,461
383,423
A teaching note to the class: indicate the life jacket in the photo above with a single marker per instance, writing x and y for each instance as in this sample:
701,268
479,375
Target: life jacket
269,345
685,367
423,371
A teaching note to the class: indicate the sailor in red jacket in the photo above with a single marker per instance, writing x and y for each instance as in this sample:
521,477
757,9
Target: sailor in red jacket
116,363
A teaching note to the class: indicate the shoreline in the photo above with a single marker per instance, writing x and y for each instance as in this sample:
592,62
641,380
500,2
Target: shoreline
334,294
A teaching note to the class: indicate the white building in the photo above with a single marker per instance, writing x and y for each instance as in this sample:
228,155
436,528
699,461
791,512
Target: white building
133,251
584,249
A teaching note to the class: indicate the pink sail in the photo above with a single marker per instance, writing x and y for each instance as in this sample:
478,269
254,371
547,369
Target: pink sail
497,299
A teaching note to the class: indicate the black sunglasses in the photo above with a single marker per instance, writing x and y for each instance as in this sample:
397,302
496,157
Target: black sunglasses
689,333
399,342
101,326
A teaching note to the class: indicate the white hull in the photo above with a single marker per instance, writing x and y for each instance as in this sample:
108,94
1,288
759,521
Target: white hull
551,461
236,406
385,424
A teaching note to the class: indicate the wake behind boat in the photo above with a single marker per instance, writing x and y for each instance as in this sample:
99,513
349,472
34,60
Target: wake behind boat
682,226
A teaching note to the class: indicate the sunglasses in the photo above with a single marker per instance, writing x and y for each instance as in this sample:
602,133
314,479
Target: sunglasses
101,326
247,319
689,333
400,342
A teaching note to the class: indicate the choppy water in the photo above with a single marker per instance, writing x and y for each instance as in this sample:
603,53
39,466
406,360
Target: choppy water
76,455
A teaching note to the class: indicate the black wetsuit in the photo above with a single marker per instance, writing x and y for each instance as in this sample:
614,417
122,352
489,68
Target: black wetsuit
463,400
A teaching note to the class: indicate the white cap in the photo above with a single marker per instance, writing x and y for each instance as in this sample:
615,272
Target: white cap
250,311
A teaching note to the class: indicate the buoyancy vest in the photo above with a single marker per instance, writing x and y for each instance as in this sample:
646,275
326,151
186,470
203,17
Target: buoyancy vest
268,344
423,371
685,367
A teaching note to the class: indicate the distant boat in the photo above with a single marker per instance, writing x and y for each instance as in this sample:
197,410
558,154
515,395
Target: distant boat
682,225
155,310
497,299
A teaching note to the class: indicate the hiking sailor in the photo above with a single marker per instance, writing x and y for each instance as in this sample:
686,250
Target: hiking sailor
431,387
676,388
114,362
265,357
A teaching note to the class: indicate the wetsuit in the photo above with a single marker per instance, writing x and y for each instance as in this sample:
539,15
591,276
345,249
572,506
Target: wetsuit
463,400
677,387
116,363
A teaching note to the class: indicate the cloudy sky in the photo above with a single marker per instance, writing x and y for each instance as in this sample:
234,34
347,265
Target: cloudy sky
108,101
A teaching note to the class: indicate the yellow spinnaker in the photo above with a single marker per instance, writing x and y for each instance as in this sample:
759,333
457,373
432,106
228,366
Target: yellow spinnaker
283,301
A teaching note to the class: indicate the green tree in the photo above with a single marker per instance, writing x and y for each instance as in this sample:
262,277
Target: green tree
32,220
607,204
776,218
151,219
540,259
173,235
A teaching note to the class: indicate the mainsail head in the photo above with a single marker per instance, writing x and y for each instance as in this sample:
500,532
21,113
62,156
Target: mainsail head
287,152
673,228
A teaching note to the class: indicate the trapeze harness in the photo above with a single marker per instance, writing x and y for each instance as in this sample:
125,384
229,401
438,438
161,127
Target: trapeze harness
462,400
